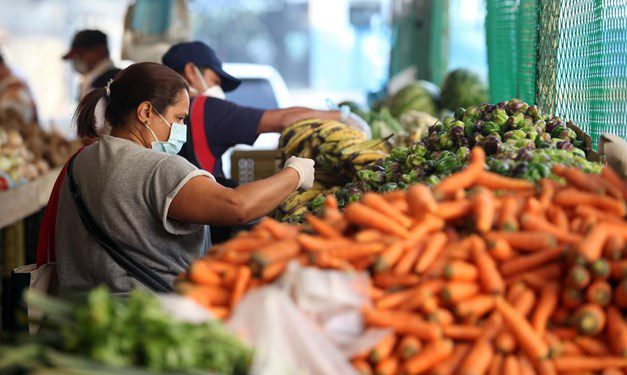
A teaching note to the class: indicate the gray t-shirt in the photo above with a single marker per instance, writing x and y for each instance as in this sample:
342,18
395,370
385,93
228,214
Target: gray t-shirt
128,190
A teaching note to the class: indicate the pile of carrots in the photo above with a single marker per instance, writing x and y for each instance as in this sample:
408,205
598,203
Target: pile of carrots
482,274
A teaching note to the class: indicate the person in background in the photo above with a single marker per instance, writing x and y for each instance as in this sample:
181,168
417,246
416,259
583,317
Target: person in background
216,124
89,54
15,95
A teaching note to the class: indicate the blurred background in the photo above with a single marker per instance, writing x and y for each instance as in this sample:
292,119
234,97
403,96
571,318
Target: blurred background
336,49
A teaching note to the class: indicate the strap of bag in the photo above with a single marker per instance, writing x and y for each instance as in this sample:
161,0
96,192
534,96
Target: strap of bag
136,269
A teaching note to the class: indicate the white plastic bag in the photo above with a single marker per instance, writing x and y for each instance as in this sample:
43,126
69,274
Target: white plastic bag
308,323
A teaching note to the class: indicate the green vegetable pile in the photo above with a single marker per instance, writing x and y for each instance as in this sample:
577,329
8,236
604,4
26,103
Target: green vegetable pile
122,333
462,88
519,140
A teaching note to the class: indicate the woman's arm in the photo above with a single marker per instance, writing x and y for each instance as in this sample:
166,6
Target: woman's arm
204,201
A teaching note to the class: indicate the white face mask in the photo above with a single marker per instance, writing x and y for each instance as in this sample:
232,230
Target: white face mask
213,91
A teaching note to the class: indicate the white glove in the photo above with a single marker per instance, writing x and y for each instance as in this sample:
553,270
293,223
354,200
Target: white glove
305,169
354,121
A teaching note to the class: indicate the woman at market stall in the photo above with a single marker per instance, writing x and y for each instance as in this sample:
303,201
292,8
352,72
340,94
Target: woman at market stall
142,197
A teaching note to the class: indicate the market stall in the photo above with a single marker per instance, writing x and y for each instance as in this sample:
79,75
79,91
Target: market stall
473,227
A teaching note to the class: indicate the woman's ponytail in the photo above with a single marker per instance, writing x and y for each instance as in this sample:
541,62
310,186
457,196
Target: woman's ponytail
85,113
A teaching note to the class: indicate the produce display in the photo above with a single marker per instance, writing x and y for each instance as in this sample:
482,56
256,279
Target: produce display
339,151
520,141
480,274
27,151
415,97
462,88
110,334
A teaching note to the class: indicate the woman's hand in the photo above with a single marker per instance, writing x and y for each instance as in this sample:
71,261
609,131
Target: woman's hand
305,169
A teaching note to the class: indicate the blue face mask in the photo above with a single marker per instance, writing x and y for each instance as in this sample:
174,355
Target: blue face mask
178,137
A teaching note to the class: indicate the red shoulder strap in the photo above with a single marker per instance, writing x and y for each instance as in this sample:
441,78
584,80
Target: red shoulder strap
46,241
202,151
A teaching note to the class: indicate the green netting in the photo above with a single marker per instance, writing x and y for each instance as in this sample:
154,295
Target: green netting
568,56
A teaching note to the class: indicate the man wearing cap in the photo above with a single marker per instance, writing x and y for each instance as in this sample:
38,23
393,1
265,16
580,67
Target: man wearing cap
216,124
89,55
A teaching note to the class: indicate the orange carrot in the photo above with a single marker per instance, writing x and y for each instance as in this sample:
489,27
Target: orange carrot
466,177
547,304
609,175
477,306
390,280
539,223
545,367
533,207
420,200
566,333
579,179
571,298
244,275
275,252
331,210
395,299
511,366
620,294
407,261
322,227
356,250
547,192
459,250
593,243
451,365
273,271
500,250
490,277
524,263
360,214
378,203
586,363
478,359
599,292
208,296
497,182
558,217
436,268
505,342
384,348
433,354
524,366
456,291
538,276
615,247
571,197
508,218
279,231
589,211
616,332
388,258
428,224
434,246
408,346
529,341
362,367
612,371
388,366
525,302
219,312
368,235
201,273
526,241
590,319
440,315
592,346
496,364
242,244
458,270
484,210
451,210
316,243
404,323
578,277
600,269
460,332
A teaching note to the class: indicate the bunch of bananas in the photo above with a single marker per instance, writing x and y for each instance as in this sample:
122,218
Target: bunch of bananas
339,151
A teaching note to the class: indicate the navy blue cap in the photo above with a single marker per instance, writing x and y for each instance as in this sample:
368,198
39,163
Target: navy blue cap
202,56
86,39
